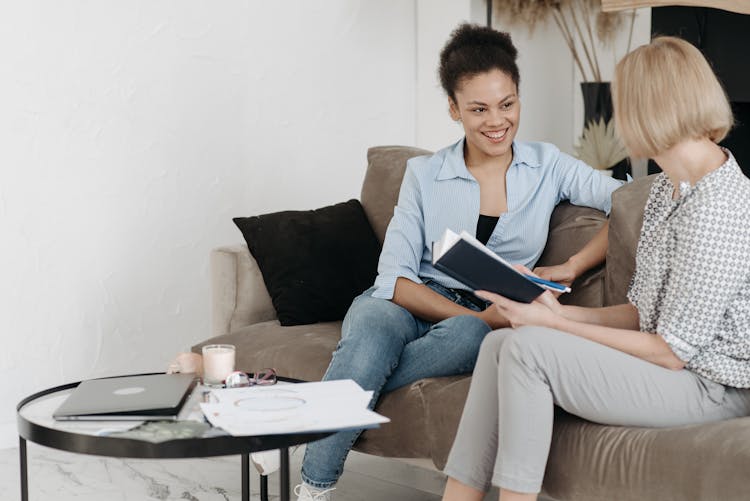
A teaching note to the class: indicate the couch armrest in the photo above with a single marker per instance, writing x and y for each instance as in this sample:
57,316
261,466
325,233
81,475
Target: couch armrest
238,293
625,221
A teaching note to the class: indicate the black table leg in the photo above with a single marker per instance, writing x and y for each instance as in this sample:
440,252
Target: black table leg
284,474
245,477
264,488
24,473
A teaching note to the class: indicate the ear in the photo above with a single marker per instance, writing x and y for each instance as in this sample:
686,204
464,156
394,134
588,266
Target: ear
453,109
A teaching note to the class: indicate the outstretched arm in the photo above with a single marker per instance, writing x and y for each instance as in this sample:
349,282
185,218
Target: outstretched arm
644,345
582,186
592,254
613,326
621,316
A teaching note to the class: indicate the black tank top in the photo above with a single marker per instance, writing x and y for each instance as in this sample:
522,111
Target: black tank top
485,227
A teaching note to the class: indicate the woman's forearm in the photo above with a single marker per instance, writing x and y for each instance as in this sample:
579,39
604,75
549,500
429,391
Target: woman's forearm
592,254
613,326
425,303
644,345
621,316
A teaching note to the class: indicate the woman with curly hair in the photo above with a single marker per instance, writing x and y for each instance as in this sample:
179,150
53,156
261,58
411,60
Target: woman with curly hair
417,322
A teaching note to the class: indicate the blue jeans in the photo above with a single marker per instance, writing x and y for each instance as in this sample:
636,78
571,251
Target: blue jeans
384,347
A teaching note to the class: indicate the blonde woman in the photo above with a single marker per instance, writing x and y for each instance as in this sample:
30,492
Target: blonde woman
679,352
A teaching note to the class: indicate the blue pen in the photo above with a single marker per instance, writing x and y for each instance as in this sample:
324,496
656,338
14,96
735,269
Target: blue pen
554,286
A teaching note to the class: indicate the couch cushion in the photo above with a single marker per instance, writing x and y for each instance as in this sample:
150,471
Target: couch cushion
313,262
300,351
625,221
408,435
591,462
385,171
444,402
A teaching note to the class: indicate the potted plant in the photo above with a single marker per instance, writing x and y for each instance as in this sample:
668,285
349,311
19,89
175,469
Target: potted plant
600,147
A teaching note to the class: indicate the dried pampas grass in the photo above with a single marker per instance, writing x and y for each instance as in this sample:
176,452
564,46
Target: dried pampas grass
607,26
527,12
577,20
600,146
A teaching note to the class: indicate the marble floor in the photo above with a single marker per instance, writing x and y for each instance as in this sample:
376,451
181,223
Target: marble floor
62,476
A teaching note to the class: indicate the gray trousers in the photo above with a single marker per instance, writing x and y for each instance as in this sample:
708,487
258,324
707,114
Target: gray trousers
506,428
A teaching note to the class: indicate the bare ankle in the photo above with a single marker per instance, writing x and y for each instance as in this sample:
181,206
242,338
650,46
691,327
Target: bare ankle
456,491
506,495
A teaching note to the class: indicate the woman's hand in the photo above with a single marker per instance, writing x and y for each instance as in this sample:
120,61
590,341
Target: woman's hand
562,273
492,317
544,310
549,299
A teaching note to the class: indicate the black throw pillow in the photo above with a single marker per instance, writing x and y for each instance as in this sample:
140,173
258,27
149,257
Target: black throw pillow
313,262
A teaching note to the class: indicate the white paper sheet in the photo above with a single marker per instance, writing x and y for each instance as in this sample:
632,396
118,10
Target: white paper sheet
291,408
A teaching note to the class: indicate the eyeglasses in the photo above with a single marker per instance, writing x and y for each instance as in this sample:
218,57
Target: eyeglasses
239,379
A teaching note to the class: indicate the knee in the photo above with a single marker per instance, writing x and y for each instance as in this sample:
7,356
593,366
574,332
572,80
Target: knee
468,326
376,320
526,345
461,335
374,312
494,340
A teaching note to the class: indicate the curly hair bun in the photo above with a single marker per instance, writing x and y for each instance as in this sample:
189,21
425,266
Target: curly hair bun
474,49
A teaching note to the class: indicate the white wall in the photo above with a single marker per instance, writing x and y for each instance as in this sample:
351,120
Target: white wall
436,19
131,133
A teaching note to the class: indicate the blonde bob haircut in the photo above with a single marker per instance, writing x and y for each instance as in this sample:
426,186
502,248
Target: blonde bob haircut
664,93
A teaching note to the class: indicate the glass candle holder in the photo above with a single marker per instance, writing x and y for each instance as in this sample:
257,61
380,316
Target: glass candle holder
218,363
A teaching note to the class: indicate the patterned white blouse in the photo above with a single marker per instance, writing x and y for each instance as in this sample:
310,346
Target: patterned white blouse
692,278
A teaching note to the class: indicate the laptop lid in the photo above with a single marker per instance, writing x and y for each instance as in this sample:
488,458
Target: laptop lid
149,397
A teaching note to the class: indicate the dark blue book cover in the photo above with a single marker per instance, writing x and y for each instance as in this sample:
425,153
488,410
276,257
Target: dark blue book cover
477,270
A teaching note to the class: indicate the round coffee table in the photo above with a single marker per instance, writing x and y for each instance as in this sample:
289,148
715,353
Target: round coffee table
35,424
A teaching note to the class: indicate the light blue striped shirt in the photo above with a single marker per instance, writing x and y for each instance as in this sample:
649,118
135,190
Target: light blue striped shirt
439,192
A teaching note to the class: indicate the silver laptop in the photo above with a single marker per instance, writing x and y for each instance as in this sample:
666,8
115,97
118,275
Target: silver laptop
151,397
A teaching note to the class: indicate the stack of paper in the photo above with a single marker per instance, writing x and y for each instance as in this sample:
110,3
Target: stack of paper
291,408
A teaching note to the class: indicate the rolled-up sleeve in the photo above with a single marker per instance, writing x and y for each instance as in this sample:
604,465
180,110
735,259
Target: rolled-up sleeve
404,239
583,185
707,271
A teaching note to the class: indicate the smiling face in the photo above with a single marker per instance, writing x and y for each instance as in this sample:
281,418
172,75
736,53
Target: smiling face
488,107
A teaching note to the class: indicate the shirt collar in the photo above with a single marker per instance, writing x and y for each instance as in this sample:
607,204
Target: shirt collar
454,165
525,154
685,189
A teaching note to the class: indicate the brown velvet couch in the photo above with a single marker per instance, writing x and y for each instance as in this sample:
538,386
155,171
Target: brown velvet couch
587,461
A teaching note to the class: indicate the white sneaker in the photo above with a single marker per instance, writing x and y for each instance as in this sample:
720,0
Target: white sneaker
306,492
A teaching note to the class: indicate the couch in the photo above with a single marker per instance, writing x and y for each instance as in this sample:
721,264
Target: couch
587,461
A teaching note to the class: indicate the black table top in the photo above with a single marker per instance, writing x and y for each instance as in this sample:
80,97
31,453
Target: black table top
49,433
